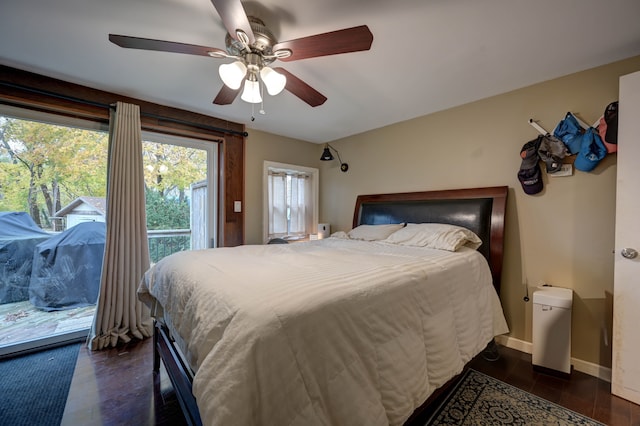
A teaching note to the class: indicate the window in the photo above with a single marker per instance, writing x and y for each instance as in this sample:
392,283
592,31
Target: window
290,201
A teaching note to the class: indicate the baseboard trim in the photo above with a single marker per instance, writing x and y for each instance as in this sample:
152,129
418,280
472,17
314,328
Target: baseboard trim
513,343
586,367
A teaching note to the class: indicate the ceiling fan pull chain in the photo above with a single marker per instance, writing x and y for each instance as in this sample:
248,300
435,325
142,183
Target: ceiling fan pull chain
261,111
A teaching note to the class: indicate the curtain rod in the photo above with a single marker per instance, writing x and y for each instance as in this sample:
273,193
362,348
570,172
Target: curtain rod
107,106
200,126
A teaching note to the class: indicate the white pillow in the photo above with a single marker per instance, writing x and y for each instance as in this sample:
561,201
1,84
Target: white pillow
435,235
374,232
340,234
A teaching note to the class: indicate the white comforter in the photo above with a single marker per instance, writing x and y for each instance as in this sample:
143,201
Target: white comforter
329,332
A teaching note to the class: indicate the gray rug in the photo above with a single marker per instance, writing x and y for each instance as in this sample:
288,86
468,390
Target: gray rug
482,400
34,387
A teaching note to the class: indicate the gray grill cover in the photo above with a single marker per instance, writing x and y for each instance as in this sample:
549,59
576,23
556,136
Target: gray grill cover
67,267
19,235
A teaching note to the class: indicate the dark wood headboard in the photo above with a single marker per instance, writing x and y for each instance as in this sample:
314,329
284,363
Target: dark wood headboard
482,210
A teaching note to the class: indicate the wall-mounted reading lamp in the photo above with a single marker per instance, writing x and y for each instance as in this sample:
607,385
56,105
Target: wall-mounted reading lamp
326,156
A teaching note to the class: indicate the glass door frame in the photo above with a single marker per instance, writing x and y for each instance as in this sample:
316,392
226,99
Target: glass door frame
55,120
213,174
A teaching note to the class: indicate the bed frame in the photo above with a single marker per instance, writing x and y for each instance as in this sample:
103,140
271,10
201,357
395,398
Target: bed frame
481,210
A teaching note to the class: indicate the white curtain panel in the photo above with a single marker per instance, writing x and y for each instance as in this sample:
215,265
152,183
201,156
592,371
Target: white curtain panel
119,316
298,204
287,195
277,203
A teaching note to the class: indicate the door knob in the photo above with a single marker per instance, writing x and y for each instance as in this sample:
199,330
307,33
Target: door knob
628,253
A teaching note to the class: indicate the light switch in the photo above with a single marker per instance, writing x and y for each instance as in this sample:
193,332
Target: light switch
237,206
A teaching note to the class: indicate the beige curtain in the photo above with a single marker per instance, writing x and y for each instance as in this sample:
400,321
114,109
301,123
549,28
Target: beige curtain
120,317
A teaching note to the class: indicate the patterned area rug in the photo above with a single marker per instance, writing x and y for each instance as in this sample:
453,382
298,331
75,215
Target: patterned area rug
482,400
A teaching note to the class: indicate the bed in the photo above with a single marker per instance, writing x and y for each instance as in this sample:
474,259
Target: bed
344,330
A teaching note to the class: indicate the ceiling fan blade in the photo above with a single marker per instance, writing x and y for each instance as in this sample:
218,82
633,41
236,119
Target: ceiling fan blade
226,96
165,46
302,89
234,18
332,43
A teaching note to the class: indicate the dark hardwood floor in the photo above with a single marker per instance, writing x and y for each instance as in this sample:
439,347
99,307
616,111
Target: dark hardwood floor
116,387
581,393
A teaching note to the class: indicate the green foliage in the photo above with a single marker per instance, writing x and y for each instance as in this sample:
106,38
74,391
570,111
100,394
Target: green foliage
171,169
44,167
166,212
13,195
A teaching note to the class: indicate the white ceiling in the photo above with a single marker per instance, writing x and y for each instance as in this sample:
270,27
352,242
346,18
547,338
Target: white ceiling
427,55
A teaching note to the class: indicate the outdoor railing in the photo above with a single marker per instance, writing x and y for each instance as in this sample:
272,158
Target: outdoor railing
163,242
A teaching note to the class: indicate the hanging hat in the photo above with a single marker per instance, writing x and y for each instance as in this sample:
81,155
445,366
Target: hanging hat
611,118
570,132
591,152
529,153
608,127
531,180
552,151
529,175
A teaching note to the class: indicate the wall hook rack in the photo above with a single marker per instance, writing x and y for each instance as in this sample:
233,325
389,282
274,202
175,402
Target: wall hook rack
538,127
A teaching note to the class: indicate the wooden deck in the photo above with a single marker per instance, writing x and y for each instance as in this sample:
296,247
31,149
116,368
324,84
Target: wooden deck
21,322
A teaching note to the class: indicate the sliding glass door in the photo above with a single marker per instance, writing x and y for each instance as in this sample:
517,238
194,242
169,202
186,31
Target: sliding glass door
53,174
180,187
52,206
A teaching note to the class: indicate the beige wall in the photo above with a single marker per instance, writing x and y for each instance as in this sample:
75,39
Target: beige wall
260,147
562,236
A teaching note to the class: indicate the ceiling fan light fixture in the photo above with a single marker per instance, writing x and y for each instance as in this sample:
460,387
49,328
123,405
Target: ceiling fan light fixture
274,81
251,92
253,46
233,74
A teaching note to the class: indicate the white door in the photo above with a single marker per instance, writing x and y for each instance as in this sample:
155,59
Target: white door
626,296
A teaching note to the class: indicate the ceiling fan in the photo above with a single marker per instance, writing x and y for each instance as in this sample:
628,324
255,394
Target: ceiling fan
254,48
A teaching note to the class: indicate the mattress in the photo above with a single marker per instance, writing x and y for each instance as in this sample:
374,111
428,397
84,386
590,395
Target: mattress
325,332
